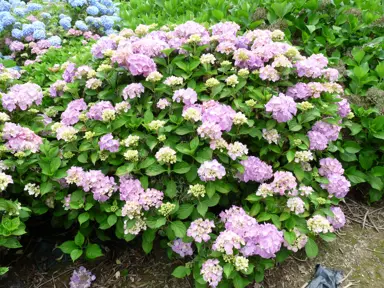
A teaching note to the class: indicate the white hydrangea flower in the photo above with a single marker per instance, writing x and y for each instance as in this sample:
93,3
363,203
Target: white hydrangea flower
207,59
166,155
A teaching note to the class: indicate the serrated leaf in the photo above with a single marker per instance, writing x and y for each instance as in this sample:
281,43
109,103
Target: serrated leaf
311,248
202,208
79,239
181,272
178,228
112,219
93,251
184,211
181,168
75,254
83,217
68,246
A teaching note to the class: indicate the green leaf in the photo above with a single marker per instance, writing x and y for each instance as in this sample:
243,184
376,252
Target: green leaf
311,248
147,162
351,147
125,169
156,223
83,217
218,14
210,189
181,168
256,207
290,237
202,208
170,191
240,282
194,143
148,238
112,219
3,270
204,155
228,269
329,237
12,243
93,251
68,246
79,239
181,272
378,171
184,211
55,164
75,254
259,276
155,170
45,187
290,155
178,228
253,198
264,216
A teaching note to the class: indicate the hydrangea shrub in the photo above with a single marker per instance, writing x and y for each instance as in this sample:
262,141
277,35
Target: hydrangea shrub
217,142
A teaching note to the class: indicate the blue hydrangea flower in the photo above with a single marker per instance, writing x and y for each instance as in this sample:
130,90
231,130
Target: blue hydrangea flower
38,25
107,22
93,21
77,3
20,11
93,10
17,33
92,2
81,25
65,23
106,2
6,19
46,15
55,40
4,6
27,30
110,31
34,7
39,34
61,16
102,8
17,25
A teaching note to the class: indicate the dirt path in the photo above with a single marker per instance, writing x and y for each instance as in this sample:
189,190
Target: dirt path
352,251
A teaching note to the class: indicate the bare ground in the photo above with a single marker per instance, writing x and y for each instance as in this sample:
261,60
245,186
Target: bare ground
358,252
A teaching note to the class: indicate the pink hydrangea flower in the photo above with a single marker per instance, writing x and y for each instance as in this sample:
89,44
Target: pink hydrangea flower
200,229
283,108
71,115
182,248
212,272
338,186
22,96
255,170
19,139
317,140
96,111
133,90
338,220
139,64
330,166
151,198
130,189
188,96
108,143
211,171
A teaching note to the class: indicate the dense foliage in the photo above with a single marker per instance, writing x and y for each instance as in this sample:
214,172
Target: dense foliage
222,142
